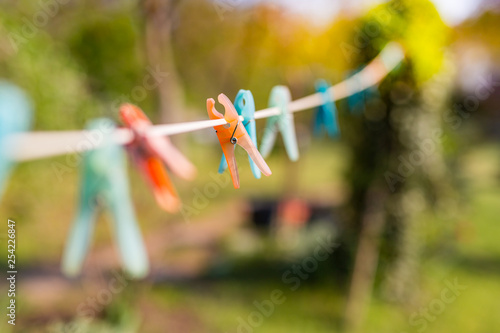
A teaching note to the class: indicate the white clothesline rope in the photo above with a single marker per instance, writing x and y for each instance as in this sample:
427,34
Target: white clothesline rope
35,145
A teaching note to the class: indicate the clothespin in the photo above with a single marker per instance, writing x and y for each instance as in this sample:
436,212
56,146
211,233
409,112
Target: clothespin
280,97
234,133
149,154
355,101
15,117
326,114
104,182
245,106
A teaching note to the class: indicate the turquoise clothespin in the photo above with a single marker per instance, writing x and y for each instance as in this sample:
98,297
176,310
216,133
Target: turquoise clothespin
326,114
104,181
15,117
356,101
280,97
245,106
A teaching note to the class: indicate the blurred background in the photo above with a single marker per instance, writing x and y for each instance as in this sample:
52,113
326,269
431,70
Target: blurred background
393,227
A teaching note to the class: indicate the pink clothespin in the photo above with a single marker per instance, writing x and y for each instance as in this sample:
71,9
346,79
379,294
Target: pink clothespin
149,154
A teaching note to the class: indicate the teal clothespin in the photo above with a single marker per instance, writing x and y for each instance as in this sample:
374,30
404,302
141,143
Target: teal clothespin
280,97
15,117
104,181
356,101
326,114
245,106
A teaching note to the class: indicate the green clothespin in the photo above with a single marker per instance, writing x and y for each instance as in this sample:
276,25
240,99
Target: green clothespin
280,97
104,182
15,117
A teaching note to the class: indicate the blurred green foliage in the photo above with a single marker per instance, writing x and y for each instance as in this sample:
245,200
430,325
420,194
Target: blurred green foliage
87,56
49,74
108,48
417,25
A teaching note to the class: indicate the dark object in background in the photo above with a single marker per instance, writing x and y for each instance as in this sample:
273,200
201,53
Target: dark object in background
265,214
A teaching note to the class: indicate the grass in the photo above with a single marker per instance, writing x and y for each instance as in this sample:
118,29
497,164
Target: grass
474,262
216,305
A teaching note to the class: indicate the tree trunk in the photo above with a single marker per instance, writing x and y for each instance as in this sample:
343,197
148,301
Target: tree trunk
158,44
367,255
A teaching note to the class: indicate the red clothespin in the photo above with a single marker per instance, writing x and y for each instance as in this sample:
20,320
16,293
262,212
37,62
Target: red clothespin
149,154
234,133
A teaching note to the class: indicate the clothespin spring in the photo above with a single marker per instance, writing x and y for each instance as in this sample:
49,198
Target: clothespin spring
233,139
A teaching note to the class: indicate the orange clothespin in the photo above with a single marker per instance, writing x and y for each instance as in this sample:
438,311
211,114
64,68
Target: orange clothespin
234,133
149,154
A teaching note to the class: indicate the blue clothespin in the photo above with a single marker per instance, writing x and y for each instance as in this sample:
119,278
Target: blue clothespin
356,101
280,97
245,106
15,117
326,114
104,181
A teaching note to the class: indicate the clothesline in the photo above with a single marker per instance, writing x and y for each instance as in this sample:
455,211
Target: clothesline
35,145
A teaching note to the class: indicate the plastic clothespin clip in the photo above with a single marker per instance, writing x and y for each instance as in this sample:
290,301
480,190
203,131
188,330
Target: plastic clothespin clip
245,106
149,154
231,134
326,114
355,101
104,182
280,97
15,117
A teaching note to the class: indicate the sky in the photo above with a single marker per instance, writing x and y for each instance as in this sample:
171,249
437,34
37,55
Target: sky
453,12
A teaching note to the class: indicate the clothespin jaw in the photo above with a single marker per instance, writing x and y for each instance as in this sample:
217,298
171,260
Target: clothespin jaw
149,154
326,114
104,182
15,117
231,134
245,106
280,97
